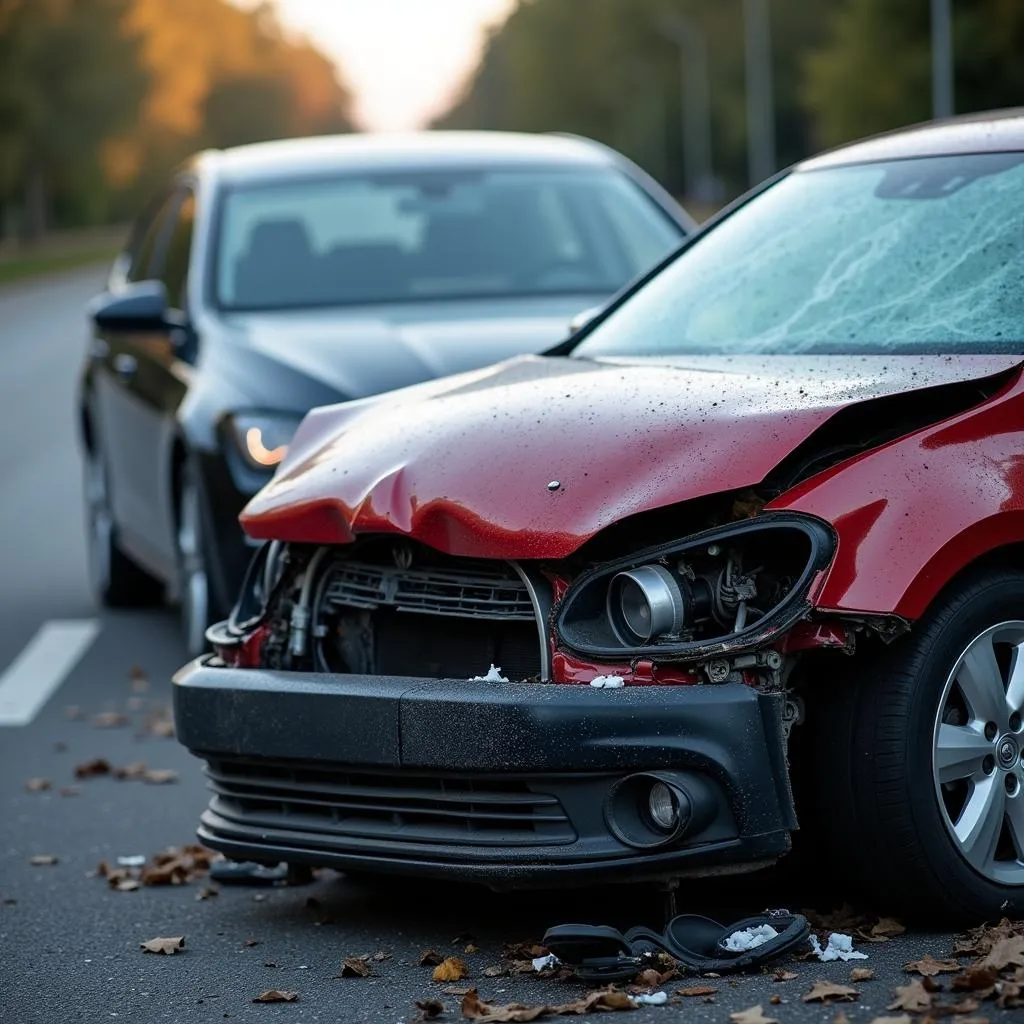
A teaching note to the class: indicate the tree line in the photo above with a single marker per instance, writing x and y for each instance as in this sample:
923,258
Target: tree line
841,69
99,99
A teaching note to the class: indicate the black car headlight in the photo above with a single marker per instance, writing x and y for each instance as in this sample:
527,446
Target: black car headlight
725,586
263,437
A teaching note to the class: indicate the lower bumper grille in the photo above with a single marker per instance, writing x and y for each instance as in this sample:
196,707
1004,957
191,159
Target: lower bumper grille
359,805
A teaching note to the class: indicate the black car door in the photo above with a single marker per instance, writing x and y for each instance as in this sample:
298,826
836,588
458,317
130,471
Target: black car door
143,377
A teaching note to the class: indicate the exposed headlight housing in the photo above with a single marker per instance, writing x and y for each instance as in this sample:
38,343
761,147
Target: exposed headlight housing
708,593
263,438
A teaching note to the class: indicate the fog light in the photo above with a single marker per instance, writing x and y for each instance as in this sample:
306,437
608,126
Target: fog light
663,807
645,603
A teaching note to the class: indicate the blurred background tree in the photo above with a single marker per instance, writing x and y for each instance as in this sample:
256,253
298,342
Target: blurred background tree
841,69
99,99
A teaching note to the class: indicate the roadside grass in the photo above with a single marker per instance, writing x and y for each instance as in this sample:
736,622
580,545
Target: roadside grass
32,264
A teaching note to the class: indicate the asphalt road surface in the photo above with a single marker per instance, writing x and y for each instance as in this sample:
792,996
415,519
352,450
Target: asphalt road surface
70,945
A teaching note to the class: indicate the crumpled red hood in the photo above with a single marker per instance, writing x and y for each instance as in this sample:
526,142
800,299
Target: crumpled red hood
530,458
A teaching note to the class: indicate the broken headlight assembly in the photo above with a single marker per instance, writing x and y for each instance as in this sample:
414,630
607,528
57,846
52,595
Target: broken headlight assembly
723,589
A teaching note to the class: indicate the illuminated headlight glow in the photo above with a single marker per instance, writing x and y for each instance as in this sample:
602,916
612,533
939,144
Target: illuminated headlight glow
263,438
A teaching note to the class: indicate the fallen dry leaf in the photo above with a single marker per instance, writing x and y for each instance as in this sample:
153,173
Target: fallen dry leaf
473,1008
160,723
862,974
1005,952
451,968
914,998
650,979
470,948
42,860
276,995
110,720
979,941
207,892
523,950
249,943
90,769
355,967
752,1015
430,958
840,1018
132,770
138,679
781,975
380,956
775,1000
457,990
495,971
928,966
1009,994
828,991
125,884
696,990
903,1018
886,927
430,1009
38,785
70,791
159,776
966,1005
976,979
163,945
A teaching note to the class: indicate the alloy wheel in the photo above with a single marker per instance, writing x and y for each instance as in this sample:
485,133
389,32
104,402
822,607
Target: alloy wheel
195,591
978,753
100,521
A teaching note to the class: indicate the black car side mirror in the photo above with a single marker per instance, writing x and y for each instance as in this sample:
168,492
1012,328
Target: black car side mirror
141,305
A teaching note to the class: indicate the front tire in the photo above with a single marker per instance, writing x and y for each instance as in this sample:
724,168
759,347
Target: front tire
194,595
920,777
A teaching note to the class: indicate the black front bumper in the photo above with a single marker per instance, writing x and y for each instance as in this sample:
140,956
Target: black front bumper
503,783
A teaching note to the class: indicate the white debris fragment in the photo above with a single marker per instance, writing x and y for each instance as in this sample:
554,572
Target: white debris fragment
542,963
493,676
750,938
654,999
607,682
136,860
840,947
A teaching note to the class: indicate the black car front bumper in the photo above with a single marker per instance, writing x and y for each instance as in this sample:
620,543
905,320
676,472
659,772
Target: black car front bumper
510,784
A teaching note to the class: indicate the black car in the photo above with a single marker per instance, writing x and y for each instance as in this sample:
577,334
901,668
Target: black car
272,278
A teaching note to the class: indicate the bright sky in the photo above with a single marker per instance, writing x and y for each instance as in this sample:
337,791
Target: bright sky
404,59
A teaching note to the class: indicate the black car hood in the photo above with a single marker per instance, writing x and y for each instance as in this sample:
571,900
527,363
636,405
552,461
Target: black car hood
314,357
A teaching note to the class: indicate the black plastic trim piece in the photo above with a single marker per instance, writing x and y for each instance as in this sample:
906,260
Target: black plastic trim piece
785,615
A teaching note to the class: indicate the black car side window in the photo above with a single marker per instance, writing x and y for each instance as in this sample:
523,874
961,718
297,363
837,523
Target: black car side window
176,252
146,244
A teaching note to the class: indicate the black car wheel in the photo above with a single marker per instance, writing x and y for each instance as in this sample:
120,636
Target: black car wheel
919,760
195,601
117,580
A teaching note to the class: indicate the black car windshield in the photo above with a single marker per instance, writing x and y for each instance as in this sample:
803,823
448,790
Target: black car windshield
914,256
401,237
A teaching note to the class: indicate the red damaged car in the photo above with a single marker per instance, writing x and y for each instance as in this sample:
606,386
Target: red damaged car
596,615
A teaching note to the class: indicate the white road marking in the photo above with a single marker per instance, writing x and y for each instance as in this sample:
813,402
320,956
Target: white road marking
42,666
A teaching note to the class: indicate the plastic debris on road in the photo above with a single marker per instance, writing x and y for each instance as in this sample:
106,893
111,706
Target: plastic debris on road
654,999
493,676
607,682
136,860
840,947
542,963
749,938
